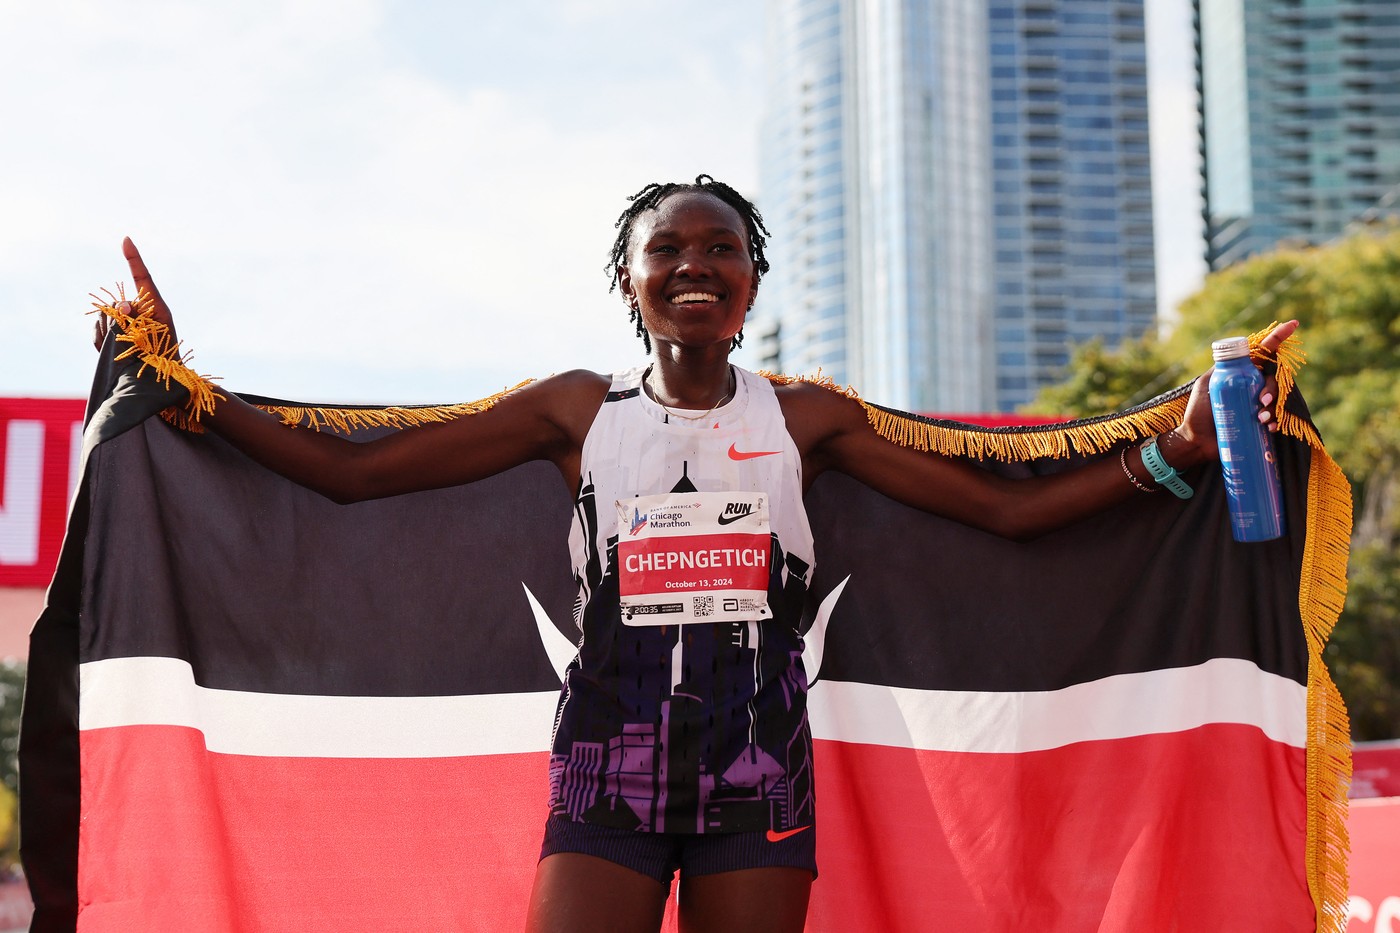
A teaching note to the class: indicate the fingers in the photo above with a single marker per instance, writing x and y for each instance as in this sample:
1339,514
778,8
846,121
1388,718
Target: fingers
1278,335
102,324
1271,343
141,276
1196,425
1266,402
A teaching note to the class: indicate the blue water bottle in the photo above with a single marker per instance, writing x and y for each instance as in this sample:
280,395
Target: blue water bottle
1246,449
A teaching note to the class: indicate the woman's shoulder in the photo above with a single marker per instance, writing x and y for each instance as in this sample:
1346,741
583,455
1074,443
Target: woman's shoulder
562,386
576,380
568,399
817,411
814,398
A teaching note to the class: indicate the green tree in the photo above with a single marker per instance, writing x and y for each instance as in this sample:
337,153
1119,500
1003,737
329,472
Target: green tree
1347,295
11,694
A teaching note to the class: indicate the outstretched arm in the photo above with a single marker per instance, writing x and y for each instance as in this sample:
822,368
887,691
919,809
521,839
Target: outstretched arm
833,433
546,420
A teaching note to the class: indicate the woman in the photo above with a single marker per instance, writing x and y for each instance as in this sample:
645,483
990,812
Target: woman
692,552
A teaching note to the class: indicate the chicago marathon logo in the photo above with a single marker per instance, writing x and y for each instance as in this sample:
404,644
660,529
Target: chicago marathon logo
639,521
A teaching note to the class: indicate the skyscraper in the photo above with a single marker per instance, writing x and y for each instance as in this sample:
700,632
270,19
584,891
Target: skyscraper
958,190
1300,118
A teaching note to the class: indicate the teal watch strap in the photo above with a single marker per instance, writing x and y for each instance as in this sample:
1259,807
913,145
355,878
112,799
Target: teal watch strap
1162,471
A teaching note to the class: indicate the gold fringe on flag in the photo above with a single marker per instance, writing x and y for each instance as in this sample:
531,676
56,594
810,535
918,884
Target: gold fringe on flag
1321,591
344,420
152,343
1086,436
1023,442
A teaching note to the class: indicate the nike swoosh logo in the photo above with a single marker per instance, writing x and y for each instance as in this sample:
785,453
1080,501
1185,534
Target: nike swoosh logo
731,519
736,454
779,837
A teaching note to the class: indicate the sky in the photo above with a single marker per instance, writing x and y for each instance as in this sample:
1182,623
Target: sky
379,201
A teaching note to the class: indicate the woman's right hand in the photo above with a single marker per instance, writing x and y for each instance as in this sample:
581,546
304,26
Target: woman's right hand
141,277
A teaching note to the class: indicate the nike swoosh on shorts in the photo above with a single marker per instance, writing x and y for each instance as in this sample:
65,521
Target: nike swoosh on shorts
779,837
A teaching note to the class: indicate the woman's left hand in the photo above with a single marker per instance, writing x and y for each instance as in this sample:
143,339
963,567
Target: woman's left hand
1196,433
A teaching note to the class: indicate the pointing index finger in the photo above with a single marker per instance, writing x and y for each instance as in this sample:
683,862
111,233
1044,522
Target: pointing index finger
140,275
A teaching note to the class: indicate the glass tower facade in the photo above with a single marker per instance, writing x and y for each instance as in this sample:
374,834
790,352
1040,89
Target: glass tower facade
958,191
1300,119
803,304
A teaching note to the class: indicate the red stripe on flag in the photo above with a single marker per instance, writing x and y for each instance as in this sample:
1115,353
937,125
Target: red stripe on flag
175,838
1194,830
1198,830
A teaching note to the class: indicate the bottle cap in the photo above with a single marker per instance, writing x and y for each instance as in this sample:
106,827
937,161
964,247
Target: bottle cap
1231,348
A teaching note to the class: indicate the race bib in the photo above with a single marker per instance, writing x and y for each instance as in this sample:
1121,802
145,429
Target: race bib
694,557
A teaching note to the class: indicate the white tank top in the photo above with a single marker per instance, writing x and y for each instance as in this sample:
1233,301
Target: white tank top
685,709
636,448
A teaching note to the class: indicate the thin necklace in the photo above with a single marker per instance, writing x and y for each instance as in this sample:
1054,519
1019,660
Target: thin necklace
704,414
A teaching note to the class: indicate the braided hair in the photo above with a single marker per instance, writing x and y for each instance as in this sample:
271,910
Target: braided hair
649,198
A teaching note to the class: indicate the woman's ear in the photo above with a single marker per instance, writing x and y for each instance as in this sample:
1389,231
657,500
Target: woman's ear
624,285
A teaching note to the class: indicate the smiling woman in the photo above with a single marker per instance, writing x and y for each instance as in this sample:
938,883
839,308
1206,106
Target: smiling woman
692,551
658,233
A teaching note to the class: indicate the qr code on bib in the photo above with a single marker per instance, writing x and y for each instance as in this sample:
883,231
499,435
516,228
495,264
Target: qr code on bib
703,606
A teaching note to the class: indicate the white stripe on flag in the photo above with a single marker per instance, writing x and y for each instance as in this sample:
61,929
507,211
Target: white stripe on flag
162,691
1222,690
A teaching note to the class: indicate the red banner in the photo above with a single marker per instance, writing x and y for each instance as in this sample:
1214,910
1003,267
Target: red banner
39,444
1375,770
1374,906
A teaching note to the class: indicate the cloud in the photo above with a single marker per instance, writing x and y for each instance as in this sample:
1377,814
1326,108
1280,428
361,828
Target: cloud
329,214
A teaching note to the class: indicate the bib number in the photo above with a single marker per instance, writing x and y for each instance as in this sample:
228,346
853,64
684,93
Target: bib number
694,557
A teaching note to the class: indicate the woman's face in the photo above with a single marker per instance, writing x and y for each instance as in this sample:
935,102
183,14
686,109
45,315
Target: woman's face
689,272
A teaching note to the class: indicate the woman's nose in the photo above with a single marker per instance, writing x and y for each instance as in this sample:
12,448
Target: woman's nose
693,262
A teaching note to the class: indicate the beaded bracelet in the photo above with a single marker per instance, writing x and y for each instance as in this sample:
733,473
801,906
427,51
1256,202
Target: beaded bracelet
1123,461
1163,472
